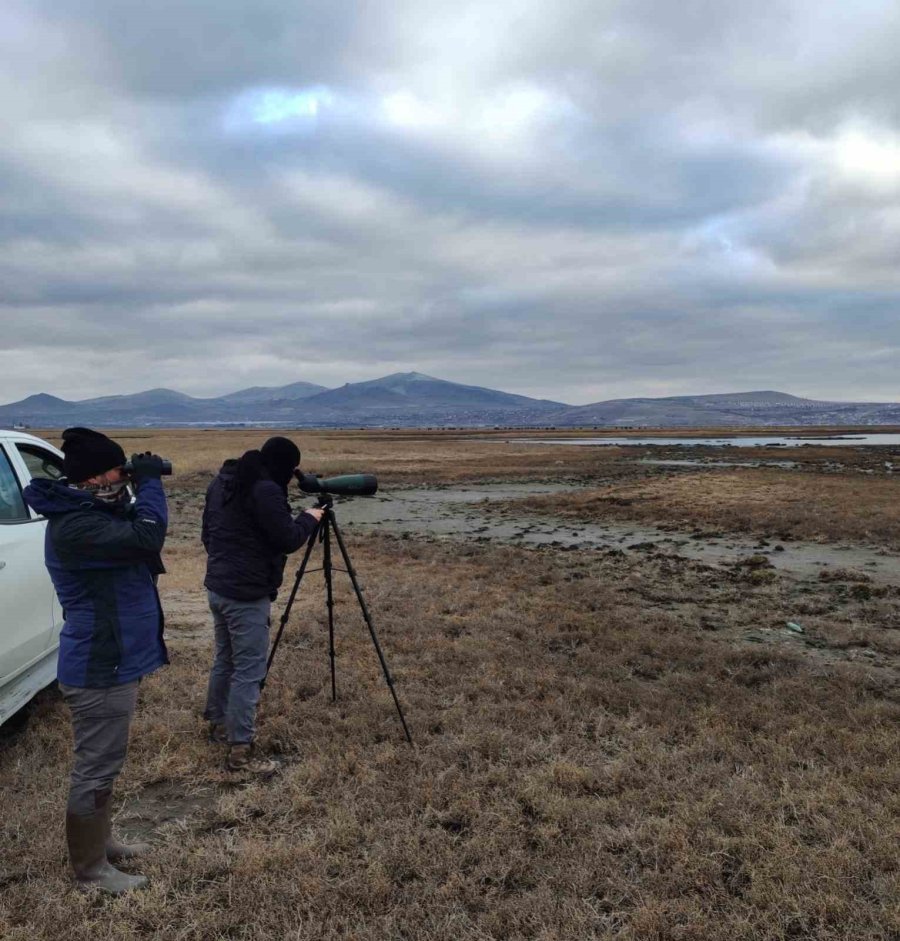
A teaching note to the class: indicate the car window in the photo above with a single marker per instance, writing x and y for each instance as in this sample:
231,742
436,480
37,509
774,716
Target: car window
41,463
12,506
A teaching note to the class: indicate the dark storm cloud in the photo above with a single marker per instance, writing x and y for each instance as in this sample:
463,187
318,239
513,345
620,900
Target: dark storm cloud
579,200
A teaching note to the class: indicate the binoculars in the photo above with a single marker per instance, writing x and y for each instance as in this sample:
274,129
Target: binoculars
166,468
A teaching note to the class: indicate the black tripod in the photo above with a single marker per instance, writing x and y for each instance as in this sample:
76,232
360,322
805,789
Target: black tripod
327,525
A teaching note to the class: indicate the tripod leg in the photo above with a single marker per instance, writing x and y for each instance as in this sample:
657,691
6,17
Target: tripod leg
289,605
329,594
368,619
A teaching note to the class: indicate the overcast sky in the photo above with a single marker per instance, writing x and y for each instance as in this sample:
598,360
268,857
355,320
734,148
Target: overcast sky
577,199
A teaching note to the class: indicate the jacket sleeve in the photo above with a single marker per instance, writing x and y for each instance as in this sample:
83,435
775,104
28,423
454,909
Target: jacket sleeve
272,514
94,537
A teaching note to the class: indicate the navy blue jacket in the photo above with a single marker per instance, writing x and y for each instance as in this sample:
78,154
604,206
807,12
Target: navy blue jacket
102,561
248,540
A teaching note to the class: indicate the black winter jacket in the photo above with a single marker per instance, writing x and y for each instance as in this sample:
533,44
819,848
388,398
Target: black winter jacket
247,541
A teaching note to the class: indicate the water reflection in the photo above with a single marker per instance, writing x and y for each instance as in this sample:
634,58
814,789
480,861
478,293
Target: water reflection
750,441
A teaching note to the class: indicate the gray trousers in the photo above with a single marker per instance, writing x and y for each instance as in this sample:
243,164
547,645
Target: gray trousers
239,665
101,719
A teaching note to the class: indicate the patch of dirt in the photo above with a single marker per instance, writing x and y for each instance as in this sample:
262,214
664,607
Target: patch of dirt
164,804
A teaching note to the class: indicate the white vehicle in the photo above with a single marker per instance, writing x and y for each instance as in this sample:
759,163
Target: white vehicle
30,616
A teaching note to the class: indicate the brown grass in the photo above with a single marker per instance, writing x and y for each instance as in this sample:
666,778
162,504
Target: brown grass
395,456
589,763
783,504
608,745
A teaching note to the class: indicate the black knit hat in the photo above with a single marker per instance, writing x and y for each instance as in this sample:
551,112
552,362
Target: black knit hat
280,456
89,453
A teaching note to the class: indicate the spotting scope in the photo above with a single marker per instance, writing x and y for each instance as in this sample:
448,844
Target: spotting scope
347,485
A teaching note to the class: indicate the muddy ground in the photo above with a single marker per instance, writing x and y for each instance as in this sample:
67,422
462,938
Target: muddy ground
633,720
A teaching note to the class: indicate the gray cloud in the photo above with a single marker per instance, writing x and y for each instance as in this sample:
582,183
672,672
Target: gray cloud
581,200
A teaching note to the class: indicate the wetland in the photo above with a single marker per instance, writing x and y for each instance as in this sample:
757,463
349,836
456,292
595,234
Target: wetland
654,695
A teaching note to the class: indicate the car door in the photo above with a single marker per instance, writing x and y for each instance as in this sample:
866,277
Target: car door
39,461
25,606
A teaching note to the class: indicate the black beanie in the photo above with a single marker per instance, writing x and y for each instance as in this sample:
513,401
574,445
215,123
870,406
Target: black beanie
88,454
280,456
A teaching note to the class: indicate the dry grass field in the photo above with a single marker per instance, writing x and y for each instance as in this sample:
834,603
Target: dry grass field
397,457
608,744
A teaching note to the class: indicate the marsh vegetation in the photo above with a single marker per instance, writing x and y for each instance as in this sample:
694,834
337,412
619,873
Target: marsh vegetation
611,742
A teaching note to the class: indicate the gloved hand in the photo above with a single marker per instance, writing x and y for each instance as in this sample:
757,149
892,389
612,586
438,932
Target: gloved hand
146,466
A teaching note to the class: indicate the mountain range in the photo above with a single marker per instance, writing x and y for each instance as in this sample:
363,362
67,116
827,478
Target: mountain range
416,400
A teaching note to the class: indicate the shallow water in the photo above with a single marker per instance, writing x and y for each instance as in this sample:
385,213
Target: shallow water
750,441
688,463
458,513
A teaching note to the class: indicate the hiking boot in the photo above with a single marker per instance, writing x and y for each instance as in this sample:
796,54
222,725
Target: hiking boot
116,850
242,759
218,734
86,839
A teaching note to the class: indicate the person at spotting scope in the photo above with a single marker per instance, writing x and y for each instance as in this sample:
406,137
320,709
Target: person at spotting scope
103,555
248,532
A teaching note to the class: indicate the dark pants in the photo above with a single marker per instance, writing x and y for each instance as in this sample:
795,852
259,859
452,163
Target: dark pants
239,665
101,719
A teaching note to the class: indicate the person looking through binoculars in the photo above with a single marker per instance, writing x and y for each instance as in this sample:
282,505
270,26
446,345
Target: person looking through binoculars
103,555
248,532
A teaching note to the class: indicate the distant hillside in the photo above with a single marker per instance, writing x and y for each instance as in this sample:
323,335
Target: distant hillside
402,398
403,391
736,408
36,407
262,394
413,399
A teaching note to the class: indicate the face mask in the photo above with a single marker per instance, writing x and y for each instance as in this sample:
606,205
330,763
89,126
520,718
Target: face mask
112,494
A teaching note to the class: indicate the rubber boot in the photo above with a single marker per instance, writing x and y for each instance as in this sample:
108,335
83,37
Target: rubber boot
86,838
116,851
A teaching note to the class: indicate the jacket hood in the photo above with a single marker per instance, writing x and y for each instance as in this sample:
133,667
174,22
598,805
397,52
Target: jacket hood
228,468
49,497
230,478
